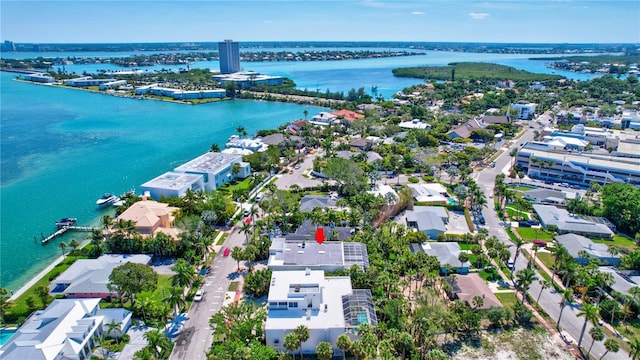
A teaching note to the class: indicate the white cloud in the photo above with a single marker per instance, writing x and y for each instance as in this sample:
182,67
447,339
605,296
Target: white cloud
478,16
417,13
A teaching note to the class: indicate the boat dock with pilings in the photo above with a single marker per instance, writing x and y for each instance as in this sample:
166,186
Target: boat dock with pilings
64,225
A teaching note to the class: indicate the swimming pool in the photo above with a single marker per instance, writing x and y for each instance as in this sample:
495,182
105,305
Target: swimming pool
451,201
5,334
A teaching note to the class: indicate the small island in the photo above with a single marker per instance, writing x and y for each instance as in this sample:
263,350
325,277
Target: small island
471,71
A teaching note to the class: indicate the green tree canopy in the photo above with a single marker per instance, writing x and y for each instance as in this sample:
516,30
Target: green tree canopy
132,278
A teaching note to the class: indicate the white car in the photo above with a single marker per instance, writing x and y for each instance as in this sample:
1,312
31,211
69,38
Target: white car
198,296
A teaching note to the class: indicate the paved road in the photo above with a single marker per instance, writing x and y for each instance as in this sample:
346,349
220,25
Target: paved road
196,336
286,180
550,299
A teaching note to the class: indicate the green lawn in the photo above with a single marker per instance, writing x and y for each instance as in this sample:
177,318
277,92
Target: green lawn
164,284
508,299
20,308
619,241
466,246
515,213
547,259
489,274
531,234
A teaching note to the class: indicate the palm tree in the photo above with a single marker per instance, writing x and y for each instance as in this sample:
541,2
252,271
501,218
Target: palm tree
237,254
246,229
344,343
114,326
145,304
63,246
175,299
596,335
611,345
559,252
107,223
74,244
590,313
291,343
324,351
543,285
157,342
185,274
567,296
635,348
303,334
463,257
524,279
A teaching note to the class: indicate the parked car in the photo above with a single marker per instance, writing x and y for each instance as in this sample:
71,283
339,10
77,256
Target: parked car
226,252
510,265
198,296
246,212
259,197
540,243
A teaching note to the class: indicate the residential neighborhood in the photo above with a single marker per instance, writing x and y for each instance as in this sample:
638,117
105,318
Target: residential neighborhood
405,229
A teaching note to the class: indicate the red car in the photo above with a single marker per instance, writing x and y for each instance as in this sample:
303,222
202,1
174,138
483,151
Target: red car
540,243
226,252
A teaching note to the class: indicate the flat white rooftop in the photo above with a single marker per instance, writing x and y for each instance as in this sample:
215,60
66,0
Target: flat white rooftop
173,180
208,163
333,288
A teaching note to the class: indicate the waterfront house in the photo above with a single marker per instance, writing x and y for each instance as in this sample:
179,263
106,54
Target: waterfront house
467,287
216,169
576,244
173,184
66,329
327,306
569,223
348,115
330,256
151,217
323,119
89,278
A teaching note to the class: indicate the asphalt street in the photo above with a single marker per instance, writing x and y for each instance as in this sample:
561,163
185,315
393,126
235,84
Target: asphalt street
196,336
550,299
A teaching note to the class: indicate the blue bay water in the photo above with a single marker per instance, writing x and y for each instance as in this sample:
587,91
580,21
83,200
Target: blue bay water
63,148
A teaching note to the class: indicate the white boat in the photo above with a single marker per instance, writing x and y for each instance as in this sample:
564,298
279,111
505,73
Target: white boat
106,200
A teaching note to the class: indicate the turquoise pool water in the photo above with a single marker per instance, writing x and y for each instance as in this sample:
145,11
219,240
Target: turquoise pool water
451,201
5,334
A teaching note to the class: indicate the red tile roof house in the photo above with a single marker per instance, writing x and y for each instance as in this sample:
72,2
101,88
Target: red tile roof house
348,115
466,287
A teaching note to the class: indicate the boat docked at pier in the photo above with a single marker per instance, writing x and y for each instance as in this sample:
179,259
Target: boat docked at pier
106,200
66,222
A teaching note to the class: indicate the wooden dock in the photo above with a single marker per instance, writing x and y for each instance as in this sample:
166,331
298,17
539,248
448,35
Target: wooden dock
63,230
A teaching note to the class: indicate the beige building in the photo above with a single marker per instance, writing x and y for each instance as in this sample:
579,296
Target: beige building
151,217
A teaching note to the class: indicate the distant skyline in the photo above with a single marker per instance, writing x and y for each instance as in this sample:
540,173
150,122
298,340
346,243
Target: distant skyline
509,21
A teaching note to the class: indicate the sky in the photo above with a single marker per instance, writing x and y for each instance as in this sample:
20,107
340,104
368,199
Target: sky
538,21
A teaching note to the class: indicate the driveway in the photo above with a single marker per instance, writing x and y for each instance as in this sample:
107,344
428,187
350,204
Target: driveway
457,223
136,342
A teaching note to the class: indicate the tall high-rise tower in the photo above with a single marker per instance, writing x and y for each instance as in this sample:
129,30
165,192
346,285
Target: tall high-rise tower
229,52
